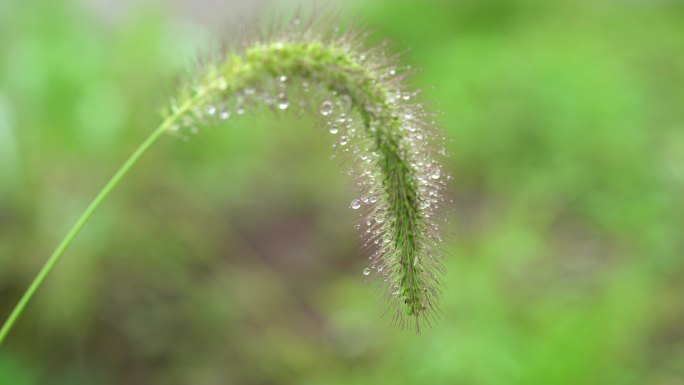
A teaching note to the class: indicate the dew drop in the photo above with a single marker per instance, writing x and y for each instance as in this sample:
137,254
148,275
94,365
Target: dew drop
334,129
435,174
326,108
355,204
283,102
343,140
224,115
211,110
380,218
366,271
282,78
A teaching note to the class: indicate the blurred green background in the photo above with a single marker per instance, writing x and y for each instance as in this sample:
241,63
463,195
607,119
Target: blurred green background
232,259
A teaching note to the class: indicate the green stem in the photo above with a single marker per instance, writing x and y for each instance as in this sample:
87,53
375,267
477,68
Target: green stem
85,217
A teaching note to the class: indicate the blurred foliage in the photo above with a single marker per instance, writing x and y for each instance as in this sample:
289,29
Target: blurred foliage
231,259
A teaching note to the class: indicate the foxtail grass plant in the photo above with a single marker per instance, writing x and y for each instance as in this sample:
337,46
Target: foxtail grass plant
360,96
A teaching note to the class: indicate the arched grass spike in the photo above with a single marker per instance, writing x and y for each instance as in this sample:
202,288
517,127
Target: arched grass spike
361,98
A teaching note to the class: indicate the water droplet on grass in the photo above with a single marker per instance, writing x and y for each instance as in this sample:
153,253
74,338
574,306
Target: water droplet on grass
326,108
283,102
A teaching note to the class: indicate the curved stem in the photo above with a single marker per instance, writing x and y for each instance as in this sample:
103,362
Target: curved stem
85,217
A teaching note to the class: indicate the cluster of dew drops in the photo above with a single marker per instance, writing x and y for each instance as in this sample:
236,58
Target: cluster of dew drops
219,106
423,146
419,143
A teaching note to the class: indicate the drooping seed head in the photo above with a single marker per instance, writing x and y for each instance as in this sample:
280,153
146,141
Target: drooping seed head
361,98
